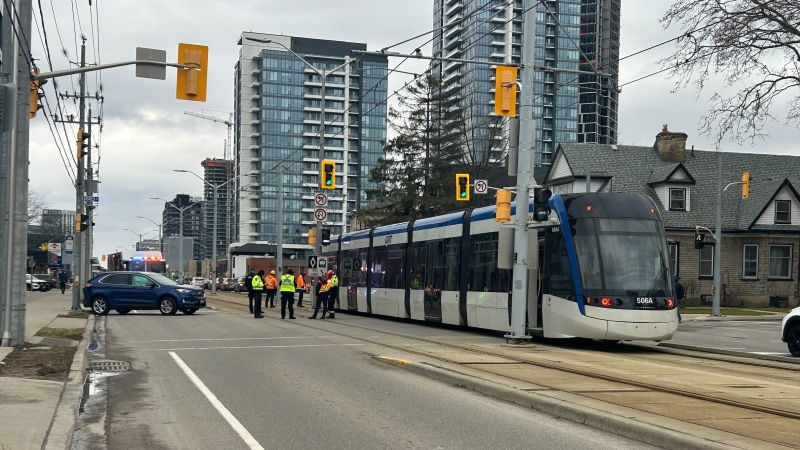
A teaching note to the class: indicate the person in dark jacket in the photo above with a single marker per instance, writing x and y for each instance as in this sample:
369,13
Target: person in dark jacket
679,294
62,280
248,284
322,289
258,288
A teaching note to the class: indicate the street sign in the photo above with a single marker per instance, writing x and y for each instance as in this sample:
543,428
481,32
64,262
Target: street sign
91,198
481,186
321,199
69,243
312,266
31,263
321,214
347,268
322,264
356,264
156,72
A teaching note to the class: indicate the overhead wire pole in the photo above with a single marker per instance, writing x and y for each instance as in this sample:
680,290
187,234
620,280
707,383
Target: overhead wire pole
77,256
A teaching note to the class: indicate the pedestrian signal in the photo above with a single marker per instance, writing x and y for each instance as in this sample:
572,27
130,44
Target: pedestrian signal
462,187
541,208
327,174
326,236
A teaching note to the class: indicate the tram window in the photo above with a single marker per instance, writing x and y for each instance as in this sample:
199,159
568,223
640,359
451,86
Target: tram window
418,255
560,274
380,259
484,276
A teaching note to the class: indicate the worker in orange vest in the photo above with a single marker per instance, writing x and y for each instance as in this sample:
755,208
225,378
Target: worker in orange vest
301,287
270,287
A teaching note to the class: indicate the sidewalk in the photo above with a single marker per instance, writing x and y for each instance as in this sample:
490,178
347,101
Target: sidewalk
28,406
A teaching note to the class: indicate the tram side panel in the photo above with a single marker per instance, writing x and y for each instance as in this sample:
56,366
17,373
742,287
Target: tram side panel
387,277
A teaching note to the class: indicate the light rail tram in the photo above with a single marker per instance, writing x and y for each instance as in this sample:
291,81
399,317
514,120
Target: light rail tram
603,270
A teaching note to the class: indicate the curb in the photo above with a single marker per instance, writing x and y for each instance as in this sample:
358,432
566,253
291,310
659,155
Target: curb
622,426
62,427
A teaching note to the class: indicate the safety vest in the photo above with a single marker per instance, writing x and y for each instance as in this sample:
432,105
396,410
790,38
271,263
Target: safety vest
272,282
258,285
415,284
301,283
325,287
287,283
334,281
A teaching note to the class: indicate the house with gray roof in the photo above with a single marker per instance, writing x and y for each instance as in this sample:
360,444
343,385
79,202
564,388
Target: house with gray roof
760,233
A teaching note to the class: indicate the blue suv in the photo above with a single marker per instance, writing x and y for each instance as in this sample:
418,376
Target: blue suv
126,291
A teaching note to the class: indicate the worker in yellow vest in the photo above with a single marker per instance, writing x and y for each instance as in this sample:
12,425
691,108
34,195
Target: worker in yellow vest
333,293
301,288
322,289
258,288
288,287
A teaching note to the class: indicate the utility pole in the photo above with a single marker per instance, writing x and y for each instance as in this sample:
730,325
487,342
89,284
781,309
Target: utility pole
279,250
718,241
89,205
16,26
77,257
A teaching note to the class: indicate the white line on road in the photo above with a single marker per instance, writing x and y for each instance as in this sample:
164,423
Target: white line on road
233,421
252,346
237,339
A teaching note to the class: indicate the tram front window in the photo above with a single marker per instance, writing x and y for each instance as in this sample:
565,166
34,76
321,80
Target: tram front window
622,257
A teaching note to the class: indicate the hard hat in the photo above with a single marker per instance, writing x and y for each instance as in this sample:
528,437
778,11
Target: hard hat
330,272
272,272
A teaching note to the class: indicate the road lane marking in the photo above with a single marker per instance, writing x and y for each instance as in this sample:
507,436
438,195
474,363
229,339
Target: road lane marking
237,339
252,346
232,421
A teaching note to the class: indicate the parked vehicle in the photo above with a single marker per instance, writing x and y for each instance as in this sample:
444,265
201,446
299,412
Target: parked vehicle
791,331
198,281
229,284
36,284
126,291
240,287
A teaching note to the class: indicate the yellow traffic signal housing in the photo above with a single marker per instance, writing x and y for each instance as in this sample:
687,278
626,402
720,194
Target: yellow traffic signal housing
104,257
78,222
192,83
35,97
505,91
745,184
312,236
80,144
503,211
327,175
462,187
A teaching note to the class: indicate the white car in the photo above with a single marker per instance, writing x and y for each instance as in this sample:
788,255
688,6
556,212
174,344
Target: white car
791,331
36,284
198,281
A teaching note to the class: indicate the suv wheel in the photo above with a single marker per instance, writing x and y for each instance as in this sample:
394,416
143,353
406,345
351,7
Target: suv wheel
100,305
167,306
793,340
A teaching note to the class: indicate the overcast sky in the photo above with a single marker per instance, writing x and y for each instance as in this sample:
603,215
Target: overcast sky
146,135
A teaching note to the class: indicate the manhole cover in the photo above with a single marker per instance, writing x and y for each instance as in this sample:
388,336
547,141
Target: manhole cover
110,366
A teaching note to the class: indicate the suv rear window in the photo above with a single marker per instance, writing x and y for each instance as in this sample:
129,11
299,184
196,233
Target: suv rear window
119,278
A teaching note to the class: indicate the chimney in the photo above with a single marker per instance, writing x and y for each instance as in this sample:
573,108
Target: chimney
671,146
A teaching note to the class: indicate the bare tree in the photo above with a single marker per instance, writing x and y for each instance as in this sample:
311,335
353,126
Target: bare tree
36,204
754,45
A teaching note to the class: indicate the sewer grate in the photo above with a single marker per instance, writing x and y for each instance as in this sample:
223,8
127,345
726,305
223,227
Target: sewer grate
110,366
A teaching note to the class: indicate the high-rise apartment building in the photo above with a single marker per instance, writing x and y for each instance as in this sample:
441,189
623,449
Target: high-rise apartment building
277,114
58,221
192,222
217,172
568,107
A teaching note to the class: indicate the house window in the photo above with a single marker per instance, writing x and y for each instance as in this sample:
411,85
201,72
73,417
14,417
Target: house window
707,261
674,257
783,211
750,261
677,199
780,261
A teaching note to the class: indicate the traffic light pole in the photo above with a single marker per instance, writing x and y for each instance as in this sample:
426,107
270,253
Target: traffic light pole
519,291
89,206
77,256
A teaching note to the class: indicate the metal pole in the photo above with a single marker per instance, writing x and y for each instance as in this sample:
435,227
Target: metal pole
524,178
718,240
77,255
180,245
11,194
279,253
318,245
90,206
214,246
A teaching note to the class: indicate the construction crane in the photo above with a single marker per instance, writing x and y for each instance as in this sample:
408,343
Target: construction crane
227,153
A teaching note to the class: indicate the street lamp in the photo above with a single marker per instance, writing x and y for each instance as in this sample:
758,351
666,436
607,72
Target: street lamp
180,244
323,74
160,238
138,234
214,187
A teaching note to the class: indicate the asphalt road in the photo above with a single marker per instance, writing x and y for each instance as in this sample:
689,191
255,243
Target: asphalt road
220,379
750,336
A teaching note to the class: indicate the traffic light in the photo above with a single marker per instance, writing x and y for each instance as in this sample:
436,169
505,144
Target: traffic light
327,174
192,83
462,187
104,257
312,236
82,222
541,208
505,91
503,210
745,184
35,85
81,145
698,241
326,236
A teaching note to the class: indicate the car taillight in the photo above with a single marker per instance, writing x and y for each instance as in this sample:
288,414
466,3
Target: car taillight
670,303
88,285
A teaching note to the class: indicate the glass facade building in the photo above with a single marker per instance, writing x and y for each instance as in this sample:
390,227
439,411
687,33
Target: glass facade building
278,118
567,107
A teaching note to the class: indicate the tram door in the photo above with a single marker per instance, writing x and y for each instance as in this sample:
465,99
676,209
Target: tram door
536,239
